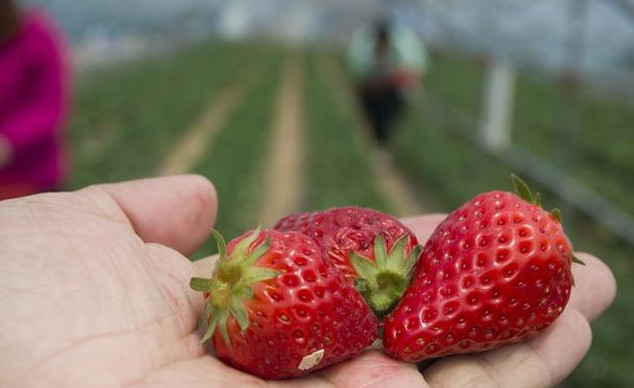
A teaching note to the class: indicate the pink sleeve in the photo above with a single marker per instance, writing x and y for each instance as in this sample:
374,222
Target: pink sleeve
40,114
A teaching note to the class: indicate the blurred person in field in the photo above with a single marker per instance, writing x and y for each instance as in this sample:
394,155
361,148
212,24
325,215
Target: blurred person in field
388,61
33,102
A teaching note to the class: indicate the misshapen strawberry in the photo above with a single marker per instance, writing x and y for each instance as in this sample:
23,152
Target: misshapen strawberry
373,249
276,309
495,271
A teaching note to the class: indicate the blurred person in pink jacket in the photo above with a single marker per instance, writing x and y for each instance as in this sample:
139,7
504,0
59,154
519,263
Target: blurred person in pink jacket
33,103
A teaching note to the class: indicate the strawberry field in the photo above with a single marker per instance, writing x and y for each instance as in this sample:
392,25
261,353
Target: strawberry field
128,119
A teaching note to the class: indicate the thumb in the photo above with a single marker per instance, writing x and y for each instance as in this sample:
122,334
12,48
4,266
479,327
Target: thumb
175,211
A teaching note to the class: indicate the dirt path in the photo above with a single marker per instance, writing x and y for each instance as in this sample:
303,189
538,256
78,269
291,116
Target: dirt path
392,184
283,192
198,137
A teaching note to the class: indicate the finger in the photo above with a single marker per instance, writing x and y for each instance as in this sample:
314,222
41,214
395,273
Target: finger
595,286
371,369
542,362
204,371
175,211
423,226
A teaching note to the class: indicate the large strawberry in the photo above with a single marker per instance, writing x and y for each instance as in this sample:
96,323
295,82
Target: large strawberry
495,271
373,249
276,309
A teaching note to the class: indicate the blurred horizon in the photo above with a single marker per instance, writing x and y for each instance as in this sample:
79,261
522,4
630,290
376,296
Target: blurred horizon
535,35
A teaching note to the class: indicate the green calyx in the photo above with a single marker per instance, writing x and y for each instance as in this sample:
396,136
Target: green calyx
231,284
383,282
524,192
522,189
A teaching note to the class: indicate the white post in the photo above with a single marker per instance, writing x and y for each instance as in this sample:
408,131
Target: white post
497,114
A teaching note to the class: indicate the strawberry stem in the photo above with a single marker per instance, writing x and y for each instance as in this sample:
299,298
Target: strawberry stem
231,284
382,282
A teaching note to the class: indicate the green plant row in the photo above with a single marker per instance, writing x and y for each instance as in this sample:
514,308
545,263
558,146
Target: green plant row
137,111
587,136
338,168
235,162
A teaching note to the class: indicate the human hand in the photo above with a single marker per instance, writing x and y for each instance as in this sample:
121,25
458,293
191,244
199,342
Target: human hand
94,292
94,285
6,152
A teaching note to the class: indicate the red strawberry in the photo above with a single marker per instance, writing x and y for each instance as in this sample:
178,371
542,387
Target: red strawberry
371,248
495,271
277,309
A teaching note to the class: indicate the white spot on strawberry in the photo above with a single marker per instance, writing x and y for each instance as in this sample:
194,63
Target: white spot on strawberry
310,361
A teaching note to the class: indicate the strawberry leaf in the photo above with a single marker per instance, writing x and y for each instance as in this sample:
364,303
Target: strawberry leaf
199,284
365,270
240,313
223,317
412,259
522,189
242,247
213,323
575,259
220,242
259,251
380,251
538,199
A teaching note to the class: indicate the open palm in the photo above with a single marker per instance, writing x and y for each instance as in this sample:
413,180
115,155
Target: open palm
94,292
